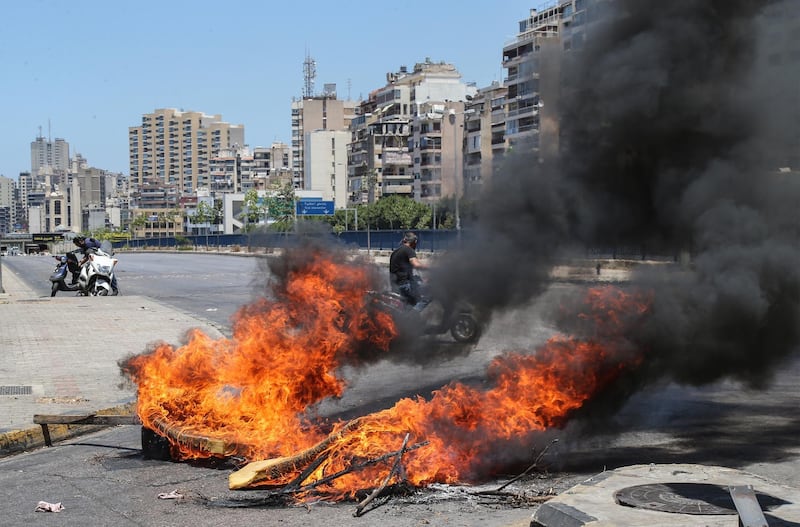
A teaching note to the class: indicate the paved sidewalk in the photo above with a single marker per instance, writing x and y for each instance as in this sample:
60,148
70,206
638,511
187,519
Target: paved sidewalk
60,355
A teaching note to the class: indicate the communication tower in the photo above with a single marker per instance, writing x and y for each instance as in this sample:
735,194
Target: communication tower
309,75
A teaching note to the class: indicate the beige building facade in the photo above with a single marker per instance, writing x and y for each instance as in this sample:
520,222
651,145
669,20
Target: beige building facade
310,114
175,147
399,145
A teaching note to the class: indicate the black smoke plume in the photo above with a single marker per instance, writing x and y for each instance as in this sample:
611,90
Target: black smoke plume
677,122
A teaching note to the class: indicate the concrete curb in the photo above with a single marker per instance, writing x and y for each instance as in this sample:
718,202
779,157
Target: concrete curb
593,502
16,441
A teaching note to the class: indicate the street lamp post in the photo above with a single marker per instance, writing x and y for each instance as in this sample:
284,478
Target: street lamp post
355,211
456,175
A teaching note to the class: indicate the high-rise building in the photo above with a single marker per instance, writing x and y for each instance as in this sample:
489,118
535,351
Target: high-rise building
522,60
326,166
485,142
7,208
174,147
49,156
398,146
323,112
6,191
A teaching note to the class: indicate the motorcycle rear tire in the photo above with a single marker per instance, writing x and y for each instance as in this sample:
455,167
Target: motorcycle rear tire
465,328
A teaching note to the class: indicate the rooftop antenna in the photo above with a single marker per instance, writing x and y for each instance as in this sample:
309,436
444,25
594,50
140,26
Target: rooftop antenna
48,130
309,74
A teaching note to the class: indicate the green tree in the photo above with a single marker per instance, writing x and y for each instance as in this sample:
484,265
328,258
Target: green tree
204,215
139,222
280,207
172,216
253,209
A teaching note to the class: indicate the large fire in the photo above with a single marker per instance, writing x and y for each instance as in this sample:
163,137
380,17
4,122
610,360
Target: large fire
255,390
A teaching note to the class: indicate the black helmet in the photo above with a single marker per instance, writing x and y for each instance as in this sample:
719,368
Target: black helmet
79,239
410,238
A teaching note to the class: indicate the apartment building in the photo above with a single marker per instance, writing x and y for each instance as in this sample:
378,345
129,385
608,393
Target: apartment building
56,212
311,113
522,60
271,167
229,170
25,185
379,163
326,164
175,147
47,154
384,159
243,169
485,141
7,208
154,210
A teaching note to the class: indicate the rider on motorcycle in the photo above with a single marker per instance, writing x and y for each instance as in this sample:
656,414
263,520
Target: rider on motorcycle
402,263
87,245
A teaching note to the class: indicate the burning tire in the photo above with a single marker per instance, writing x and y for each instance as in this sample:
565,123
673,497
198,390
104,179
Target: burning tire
155,446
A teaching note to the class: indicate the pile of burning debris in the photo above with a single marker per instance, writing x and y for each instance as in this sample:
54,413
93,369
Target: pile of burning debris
303,465
248,398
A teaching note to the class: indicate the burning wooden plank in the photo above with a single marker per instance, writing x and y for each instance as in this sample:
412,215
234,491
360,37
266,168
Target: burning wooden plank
375,493
189,439
274,468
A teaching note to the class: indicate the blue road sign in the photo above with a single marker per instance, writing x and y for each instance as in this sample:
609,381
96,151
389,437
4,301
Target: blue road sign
314,208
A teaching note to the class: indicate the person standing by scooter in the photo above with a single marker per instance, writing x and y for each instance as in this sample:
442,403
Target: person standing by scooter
402,263
89,244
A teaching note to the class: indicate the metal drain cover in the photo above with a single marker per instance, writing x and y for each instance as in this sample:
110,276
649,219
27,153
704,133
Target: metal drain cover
16,390
687,498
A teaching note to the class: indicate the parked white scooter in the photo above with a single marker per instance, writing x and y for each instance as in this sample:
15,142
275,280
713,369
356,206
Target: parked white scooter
97,274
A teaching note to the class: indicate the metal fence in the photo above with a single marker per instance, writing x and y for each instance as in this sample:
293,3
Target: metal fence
429,240
384,240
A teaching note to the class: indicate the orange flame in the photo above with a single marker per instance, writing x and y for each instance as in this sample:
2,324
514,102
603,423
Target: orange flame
253,390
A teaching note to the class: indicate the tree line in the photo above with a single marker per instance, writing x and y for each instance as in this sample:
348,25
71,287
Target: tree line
276,212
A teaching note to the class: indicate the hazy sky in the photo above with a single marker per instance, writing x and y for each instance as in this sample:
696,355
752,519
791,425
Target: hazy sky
86,70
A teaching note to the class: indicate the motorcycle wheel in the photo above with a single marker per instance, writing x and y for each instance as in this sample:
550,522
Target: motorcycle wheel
53,289
465,328
101,291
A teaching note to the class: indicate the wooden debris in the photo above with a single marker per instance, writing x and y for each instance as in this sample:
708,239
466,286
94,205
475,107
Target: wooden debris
193,441
80,419
275,468
376,492
280,497
527,470
358,466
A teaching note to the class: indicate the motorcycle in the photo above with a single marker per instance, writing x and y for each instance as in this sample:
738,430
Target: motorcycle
436,319
67,263
97,274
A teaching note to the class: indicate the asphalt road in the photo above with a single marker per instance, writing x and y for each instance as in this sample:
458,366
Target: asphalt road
206,285
104,474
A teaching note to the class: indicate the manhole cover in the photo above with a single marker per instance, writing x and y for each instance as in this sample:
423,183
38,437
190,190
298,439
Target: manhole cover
687,498
16,390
